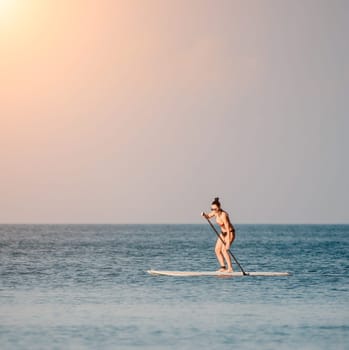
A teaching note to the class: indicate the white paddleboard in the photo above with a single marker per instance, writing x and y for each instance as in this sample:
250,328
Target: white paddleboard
214,273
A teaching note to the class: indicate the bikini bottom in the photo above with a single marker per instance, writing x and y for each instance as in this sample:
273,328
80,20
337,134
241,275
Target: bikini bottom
225,233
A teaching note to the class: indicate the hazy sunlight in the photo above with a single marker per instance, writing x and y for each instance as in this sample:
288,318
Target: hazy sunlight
7,7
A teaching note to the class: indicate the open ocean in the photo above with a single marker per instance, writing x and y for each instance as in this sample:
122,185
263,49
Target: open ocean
86,287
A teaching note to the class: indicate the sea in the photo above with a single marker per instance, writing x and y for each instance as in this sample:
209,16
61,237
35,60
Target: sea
87,287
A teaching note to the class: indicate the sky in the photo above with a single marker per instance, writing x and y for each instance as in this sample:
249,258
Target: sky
144,111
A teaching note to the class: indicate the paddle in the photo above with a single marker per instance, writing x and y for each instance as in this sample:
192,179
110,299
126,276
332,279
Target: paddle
232,255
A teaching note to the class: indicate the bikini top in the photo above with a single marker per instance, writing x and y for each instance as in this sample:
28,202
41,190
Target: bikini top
221,225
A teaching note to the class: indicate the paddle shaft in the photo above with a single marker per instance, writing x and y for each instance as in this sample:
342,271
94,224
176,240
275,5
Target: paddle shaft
232,255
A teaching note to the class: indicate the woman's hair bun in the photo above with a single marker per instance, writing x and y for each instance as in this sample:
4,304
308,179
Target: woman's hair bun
216,201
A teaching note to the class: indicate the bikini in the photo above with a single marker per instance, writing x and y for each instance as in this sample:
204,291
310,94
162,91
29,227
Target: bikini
225,233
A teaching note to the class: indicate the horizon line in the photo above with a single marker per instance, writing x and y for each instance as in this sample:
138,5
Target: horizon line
169,223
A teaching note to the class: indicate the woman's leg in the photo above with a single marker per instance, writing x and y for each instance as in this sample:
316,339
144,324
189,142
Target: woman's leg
227,258
218,250
225,250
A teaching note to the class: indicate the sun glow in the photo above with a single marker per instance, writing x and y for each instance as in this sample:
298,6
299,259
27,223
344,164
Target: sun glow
7,9
5,5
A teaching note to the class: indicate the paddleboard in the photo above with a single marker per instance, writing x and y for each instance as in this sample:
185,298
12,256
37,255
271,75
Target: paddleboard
214,273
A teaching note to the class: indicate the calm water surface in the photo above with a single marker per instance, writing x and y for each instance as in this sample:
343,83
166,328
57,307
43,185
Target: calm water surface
85,287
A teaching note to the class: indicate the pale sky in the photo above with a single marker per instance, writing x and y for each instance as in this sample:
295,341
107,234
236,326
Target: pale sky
144,111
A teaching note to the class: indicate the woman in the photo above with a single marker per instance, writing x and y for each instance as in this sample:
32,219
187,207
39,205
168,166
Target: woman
227,235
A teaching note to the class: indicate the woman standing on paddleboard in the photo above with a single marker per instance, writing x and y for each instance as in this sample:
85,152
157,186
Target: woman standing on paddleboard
227,235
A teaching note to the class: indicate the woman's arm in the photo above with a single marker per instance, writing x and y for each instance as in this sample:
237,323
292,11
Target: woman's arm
227,226
209,215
